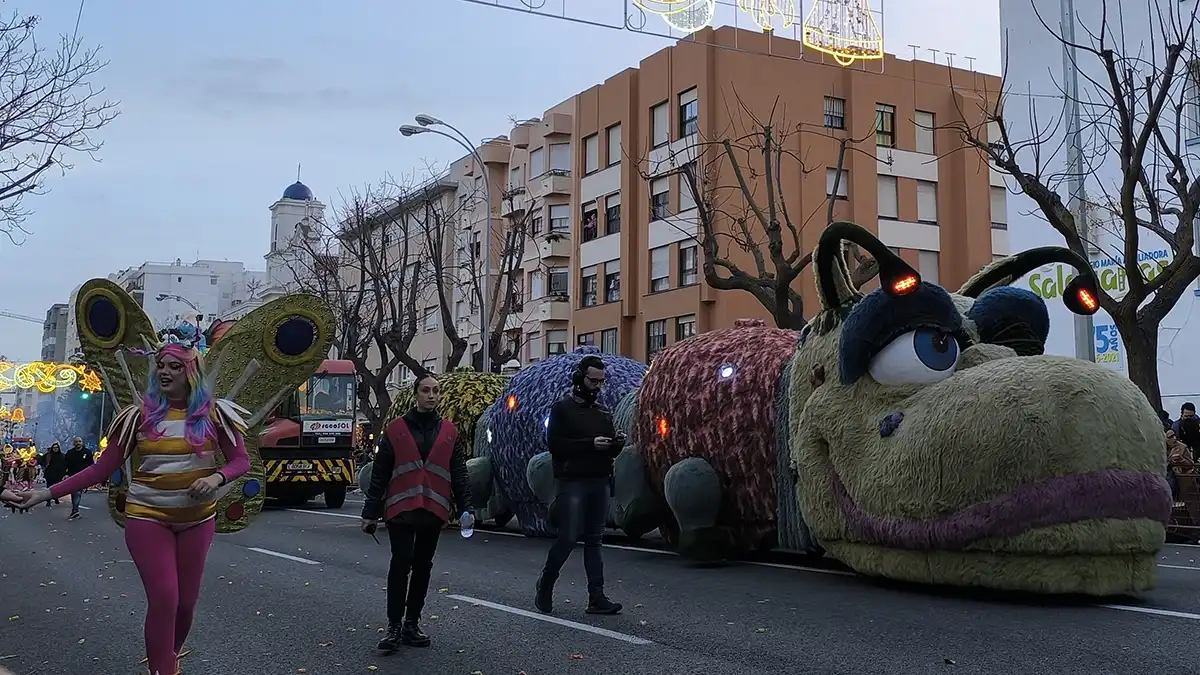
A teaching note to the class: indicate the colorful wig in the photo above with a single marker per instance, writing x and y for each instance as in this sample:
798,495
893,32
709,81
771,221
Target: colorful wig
199,424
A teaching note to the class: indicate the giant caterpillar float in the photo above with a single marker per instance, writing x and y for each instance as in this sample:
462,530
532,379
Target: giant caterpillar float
911,432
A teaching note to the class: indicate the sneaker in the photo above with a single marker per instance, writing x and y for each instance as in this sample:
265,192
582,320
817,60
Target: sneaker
412,635
73,516
391,641
600,604
543,599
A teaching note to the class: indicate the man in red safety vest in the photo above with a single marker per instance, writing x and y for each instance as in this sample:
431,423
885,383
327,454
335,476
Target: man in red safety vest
420,470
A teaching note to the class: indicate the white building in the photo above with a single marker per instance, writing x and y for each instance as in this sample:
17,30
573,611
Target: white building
202,290
1035,76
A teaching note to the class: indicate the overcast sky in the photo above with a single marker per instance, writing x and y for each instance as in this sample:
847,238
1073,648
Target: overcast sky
222,99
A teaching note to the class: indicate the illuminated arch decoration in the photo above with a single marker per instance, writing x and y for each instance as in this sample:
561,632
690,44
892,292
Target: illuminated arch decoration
687,16
47,376
843,29
764,12
17,415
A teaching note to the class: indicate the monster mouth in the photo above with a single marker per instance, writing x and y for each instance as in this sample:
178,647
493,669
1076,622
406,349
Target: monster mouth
1103,494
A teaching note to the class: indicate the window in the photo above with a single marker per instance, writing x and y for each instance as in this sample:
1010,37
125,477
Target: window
1191,102
518,290
535,224
612,281
689,113
612,214
536,287
608,341
999,208
614,144
556,341
429,319
835,112
476,245
659,125
591,153
687,200
533,347
887,197
685,327
927,202
586,339
924,123
591,222
656,338
460,310
836,184
560,218
558,281
587,287
687,265
429,365
514,178
560,157
927,266
885,125
660,199
659,281
537,162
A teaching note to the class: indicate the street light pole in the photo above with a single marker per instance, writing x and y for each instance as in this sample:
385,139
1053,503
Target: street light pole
484,305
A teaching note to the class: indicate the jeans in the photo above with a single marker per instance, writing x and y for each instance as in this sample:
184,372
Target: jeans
582,512
76,498
412,551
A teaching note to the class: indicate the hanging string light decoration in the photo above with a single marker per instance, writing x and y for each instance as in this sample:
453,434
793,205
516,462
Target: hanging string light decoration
764,12
687,16
47,376
843,29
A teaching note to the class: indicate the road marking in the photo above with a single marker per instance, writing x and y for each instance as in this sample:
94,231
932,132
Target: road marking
325,513
1156,612
1179,567
285,556
623,637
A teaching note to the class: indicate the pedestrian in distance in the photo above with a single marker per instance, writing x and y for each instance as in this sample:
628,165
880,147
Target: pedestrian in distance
78,459
419,471
54,468
582,445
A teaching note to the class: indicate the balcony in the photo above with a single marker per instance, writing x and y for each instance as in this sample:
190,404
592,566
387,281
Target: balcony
520,135
552,308
557,124
495,151
553,182
553,245
514,202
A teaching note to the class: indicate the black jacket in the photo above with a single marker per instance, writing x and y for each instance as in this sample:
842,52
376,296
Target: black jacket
571,438
78,459
55,466
424,428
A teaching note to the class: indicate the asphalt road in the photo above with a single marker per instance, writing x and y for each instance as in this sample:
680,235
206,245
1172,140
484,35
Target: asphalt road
301,591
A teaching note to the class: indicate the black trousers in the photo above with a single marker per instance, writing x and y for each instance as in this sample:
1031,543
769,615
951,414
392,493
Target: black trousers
412,556
582,513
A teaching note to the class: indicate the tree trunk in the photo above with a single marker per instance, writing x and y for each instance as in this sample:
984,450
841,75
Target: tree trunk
1141,358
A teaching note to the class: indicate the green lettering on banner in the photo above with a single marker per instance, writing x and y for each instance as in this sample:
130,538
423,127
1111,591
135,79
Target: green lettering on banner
1048,284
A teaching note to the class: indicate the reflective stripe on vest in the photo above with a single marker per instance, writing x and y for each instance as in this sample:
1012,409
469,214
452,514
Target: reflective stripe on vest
418,483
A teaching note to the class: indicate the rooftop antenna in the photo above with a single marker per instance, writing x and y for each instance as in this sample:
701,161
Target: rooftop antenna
297,172
934,52
950,59
971,61
914,48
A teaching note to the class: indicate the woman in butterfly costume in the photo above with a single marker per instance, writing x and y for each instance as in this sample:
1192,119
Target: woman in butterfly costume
187,465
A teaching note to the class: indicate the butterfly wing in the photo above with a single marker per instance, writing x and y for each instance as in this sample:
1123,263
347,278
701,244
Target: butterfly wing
258,361
108,319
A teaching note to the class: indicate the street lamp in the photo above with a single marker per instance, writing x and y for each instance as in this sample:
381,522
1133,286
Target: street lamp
427,121
170,296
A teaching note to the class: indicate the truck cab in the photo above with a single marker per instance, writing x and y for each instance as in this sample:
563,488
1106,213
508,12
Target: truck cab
307,446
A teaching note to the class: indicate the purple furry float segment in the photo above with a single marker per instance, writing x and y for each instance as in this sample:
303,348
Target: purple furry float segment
518,422
712,396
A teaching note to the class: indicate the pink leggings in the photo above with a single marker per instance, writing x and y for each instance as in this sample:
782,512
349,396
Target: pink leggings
171,565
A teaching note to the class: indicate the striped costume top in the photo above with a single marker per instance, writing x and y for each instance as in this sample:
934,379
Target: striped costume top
164,469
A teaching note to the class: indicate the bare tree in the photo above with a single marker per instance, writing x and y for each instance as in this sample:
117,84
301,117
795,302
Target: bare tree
362,263
1134,115
741,183
48,109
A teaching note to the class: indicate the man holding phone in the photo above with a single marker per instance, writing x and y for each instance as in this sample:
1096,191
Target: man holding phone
582,445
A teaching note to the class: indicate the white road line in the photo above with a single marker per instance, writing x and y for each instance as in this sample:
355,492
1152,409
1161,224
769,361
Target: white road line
1156,612
285,556
325,513
1180,567
631,639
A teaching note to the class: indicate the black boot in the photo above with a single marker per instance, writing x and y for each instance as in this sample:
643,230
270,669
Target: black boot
413,636
543,599
598,603
391,641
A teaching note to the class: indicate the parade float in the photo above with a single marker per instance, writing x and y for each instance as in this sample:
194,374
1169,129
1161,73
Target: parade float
927,437
515,451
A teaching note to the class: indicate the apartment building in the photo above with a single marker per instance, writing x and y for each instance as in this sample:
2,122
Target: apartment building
636,282
54,333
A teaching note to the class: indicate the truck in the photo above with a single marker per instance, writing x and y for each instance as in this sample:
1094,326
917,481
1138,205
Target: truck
307,445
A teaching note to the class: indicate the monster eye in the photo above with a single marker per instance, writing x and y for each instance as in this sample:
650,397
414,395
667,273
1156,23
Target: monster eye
922,356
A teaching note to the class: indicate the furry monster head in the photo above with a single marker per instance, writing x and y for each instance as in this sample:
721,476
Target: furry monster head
933,442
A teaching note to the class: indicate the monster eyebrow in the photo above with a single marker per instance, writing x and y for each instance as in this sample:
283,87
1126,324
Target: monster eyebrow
879,318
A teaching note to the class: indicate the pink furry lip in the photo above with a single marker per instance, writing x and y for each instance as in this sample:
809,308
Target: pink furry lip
1105,493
